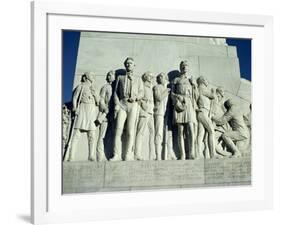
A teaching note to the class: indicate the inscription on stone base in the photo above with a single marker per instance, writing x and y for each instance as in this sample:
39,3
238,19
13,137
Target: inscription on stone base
83,177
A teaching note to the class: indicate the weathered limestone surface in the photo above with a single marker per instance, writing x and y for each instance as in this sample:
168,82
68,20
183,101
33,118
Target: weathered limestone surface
207,57
83,177
212,58
101,52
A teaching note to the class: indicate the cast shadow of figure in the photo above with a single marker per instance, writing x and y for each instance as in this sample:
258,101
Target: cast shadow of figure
171,126
25,218
119,72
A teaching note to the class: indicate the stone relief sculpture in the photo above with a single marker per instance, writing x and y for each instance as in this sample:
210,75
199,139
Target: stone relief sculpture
161,94
218,110
66,123
106,114
84,104
183,95
146,119
238,132
127,95
204,124
175,114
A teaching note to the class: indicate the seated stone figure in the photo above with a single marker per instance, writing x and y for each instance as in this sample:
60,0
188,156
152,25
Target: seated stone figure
218,110
239,131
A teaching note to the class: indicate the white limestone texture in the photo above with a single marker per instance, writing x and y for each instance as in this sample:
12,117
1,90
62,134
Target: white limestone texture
212,58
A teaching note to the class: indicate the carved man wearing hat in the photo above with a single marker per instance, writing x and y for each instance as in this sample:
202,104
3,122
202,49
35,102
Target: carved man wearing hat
84,107
183,95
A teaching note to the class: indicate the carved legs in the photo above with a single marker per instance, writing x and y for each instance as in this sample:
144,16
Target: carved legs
73,145
181,142
92,146
100,146
191,139
130,118
229,138
186,138
205,125
140,132
150,125
159,131
132,115
200,139
117,148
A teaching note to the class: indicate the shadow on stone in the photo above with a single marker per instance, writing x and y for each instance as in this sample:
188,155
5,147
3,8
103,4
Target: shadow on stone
25,218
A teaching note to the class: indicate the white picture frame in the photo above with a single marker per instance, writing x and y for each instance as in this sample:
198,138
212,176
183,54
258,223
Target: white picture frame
48,205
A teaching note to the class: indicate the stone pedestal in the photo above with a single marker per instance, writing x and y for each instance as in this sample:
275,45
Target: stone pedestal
84,177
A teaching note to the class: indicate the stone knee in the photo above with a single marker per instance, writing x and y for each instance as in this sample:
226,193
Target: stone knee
118,132
91,137
158,139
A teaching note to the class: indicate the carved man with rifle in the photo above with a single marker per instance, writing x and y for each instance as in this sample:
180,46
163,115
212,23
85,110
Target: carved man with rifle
84,107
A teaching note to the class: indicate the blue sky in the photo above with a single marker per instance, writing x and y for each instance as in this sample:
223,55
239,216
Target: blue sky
70,50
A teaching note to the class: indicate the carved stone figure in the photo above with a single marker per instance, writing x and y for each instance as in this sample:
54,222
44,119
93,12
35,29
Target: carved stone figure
218,110
128,92
247,118
66,122
183,94
146,119
161,95
239,131
84,104
205,125
106,113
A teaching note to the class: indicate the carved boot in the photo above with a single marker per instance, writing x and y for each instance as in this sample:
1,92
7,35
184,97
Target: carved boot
158,151
92,150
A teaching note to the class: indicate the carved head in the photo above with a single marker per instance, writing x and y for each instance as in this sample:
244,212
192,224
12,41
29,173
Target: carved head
228,104
220,92
201,80
161,78
147,76
184,66
129,64
88,76
110,76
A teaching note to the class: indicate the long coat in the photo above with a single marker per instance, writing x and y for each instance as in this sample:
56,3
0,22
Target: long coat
85,101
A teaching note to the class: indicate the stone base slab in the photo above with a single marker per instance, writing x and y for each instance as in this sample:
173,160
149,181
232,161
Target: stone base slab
83,177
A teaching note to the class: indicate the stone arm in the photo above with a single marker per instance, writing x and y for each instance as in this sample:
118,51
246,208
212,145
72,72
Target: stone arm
195,92
140,91
102,104
192,81
224,119
206,92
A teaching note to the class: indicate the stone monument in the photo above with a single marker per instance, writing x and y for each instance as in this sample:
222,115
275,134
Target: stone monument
182,128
